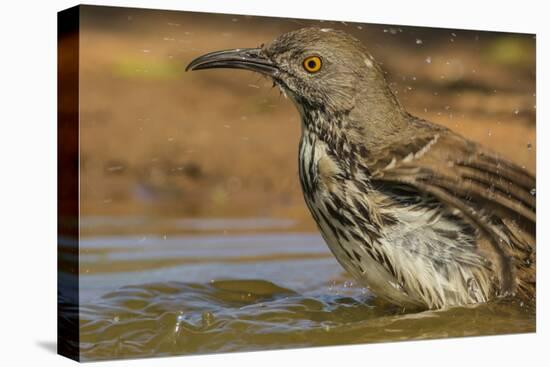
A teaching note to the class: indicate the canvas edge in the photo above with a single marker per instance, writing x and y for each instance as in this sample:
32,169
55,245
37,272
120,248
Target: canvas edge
68,305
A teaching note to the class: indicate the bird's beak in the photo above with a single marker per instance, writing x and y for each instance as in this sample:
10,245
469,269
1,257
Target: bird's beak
240,58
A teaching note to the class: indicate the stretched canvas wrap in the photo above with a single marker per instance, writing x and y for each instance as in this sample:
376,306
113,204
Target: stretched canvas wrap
238,183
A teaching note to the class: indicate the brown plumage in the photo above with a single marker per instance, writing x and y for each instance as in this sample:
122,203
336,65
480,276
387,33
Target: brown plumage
421,215
493,194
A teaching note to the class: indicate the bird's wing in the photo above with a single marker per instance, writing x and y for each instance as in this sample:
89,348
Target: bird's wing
488,190
441,161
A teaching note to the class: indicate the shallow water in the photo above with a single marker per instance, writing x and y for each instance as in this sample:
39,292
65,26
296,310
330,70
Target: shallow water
201,290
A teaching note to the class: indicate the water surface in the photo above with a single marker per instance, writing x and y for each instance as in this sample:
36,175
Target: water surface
217,285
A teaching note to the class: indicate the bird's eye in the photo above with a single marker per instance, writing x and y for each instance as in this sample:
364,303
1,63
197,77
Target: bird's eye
312,64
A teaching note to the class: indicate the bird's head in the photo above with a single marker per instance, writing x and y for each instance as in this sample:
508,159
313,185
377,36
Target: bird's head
319,69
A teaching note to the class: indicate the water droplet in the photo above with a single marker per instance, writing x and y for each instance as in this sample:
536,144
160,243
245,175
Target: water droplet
359,27
516,111
533,191
418,41
428,60
179,319
529,146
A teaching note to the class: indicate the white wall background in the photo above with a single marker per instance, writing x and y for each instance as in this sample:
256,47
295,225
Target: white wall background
28,181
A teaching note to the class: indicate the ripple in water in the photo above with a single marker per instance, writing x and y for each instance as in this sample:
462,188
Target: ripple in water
170,318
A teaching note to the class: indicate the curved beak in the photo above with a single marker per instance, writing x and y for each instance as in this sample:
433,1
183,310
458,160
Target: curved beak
240,58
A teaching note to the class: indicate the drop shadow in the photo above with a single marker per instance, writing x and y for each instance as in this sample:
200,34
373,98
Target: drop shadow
48,345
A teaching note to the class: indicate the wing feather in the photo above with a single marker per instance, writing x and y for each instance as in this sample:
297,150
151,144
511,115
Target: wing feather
491,192
480,178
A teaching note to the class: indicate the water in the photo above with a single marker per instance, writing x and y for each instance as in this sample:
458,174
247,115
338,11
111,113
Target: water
198,289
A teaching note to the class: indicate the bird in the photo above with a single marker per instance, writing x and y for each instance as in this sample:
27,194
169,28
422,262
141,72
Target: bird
420,215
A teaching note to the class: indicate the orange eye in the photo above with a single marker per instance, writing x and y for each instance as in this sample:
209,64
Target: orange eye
312,64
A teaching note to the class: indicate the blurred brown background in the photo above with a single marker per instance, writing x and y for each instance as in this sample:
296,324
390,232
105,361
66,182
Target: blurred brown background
221,143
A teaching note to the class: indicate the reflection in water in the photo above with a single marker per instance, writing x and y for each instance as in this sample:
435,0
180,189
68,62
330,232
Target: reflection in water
156,295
